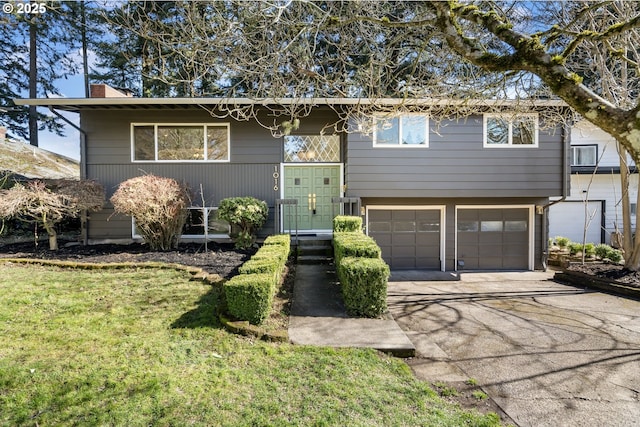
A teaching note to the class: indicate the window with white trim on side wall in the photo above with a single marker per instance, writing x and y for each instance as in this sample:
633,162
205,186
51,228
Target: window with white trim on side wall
509,130
584,155
404,130
184,142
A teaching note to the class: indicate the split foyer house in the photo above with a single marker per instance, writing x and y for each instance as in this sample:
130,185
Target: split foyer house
468,193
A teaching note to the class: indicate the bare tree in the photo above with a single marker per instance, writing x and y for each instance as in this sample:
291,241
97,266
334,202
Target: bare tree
48,203
403,50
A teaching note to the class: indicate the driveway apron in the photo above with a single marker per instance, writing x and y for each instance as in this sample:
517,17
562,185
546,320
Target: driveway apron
547,353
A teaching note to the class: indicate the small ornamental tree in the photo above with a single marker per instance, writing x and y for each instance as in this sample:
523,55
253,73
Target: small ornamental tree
48,203
159,207
247,215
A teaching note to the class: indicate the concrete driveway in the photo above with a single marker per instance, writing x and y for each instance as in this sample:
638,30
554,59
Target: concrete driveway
548,354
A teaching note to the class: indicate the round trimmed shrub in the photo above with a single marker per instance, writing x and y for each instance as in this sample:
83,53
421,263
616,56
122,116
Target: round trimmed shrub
247,215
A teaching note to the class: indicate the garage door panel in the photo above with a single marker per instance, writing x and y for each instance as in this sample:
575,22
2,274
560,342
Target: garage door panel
490,263
404,251
408,238
490,239
515,214
499,241
402,215
379,215
382,239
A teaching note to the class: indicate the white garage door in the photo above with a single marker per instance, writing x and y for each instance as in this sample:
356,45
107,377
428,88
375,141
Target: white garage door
567,219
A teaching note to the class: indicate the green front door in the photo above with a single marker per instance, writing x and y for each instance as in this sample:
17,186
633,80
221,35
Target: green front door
313,187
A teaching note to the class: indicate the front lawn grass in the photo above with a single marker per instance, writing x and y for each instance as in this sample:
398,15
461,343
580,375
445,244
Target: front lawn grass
143,347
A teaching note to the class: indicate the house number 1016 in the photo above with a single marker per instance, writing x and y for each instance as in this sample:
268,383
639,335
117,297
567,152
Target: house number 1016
276,175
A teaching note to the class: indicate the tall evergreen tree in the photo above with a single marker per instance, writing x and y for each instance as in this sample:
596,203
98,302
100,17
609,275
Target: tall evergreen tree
38,49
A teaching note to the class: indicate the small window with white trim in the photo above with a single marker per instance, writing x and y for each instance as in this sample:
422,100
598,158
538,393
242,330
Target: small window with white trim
404,130
503,130
179,142
584,155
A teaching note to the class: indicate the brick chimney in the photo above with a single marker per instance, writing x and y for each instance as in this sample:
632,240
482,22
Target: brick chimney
105,91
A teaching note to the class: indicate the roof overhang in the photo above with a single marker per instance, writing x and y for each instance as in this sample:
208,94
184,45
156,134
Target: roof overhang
130,103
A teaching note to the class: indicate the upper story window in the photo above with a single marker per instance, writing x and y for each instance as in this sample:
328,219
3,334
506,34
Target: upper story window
405,130
180,142
510,130
584,155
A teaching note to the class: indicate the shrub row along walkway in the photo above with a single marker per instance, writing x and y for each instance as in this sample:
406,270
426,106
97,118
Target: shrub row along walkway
318,317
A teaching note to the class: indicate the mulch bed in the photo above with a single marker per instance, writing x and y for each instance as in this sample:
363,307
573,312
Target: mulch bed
611,272
218,258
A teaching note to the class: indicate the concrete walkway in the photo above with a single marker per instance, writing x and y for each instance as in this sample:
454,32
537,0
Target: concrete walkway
318,317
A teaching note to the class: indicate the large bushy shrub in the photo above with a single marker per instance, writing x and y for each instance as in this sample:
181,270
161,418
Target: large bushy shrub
159,207
364,285
47,203
247,215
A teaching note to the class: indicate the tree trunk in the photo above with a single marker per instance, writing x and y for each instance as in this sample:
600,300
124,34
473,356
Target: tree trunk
33,80
630,244
53,236
627,243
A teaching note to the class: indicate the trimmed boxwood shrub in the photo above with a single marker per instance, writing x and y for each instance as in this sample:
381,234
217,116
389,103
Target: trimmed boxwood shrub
344,223
279,240
364,285
276,253
354,244
249,296
269,266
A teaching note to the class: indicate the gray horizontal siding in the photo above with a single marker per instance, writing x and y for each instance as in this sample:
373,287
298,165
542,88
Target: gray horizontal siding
254,152
109,139
455,164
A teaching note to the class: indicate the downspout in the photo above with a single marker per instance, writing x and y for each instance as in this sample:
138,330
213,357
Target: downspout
566,176
84,230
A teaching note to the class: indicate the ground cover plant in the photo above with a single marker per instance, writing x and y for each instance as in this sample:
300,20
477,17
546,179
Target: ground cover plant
144,347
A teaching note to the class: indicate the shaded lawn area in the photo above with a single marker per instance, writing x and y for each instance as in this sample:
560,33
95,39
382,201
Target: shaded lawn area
143,347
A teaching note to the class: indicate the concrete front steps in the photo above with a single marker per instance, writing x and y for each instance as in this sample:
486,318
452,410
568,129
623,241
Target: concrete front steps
315,250
318,316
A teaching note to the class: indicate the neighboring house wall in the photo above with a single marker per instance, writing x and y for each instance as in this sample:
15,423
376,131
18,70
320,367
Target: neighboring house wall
254,153
455,164
600,186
